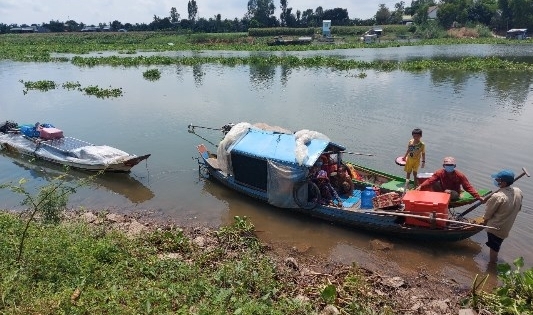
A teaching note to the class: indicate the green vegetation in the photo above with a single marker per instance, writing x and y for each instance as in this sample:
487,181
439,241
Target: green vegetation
152,74
47,204
500,15
40,47
101,92
467,64
514,296
71,85
72,267
45,85
75,268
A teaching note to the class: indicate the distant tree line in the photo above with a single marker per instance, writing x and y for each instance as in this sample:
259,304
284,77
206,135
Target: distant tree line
496,14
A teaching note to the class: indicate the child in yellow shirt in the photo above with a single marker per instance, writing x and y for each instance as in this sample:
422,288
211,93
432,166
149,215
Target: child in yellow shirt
415,156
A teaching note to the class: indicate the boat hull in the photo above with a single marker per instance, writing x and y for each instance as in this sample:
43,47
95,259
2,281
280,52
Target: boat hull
367,220
29,147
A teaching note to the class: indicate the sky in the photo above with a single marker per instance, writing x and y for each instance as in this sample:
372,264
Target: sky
142,11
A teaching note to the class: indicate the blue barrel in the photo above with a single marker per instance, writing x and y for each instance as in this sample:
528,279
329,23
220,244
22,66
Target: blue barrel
366,198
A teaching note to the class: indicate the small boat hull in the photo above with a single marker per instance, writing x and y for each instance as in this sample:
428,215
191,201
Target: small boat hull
370,221
242,179
71,152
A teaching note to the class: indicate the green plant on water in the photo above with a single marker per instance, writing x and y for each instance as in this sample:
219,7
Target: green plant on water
100,92
152,74
47,204
514,296
71,85
42,85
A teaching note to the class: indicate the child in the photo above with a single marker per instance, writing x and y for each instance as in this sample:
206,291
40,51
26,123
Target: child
416,149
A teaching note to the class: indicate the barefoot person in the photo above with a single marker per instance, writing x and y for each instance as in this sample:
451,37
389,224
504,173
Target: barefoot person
501,211
414,157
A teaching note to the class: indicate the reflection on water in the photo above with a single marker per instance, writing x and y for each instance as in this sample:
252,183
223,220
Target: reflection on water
262,76
198,74
511,89
118,183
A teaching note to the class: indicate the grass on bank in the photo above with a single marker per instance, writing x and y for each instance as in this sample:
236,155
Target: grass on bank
49,265
76,268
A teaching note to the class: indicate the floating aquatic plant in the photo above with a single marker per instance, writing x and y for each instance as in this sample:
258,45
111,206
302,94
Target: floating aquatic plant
152,74
100,92
43,85
71,85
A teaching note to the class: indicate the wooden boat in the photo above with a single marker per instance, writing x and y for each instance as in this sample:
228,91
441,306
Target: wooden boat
72,152
278,166
280,41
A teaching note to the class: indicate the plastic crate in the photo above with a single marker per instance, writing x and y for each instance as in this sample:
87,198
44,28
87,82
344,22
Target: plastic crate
425,203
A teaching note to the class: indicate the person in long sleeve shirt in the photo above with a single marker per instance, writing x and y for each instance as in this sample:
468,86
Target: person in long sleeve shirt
501,211
450,180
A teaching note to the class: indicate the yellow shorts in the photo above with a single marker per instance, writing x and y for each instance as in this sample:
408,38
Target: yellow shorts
411,165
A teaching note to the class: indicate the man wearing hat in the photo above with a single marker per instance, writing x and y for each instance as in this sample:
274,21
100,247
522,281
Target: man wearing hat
449,180
501,211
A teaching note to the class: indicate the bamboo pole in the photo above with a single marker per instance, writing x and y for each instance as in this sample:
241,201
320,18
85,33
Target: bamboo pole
430,218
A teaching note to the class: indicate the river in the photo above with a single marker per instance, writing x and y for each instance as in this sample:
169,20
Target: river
482,119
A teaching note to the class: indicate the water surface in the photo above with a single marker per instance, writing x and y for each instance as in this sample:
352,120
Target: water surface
483,119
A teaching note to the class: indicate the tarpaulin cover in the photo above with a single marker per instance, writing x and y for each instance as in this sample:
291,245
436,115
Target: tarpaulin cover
281,180
87,154
278,146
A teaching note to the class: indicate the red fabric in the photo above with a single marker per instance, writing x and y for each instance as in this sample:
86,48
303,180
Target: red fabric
451,181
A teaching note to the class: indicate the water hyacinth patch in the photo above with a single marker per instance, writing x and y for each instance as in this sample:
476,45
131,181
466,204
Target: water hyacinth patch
45,85
152,74
71,85
102,93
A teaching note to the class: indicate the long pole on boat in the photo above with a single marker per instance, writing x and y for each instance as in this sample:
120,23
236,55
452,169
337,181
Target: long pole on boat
224,128
353,153
479,203
430,218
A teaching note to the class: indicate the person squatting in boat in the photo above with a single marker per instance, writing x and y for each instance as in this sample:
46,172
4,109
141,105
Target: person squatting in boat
449,180
341,181
328,194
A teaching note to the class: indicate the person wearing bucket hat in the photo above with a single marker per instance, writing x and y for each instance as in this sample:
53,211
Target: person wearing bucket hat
448,179
501,211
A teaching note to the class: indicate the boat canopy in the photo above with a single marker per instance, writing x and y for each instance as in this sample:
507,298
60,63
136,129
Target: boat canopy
276,146
301,148
270,159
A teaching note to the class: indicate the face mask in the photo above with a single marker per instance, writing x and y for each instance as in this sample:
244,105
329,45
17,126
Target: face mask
449,168
496,183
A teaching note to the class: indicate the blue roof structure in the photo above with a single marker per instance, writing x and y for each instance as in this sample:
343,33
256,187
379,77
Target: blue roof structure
278,146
